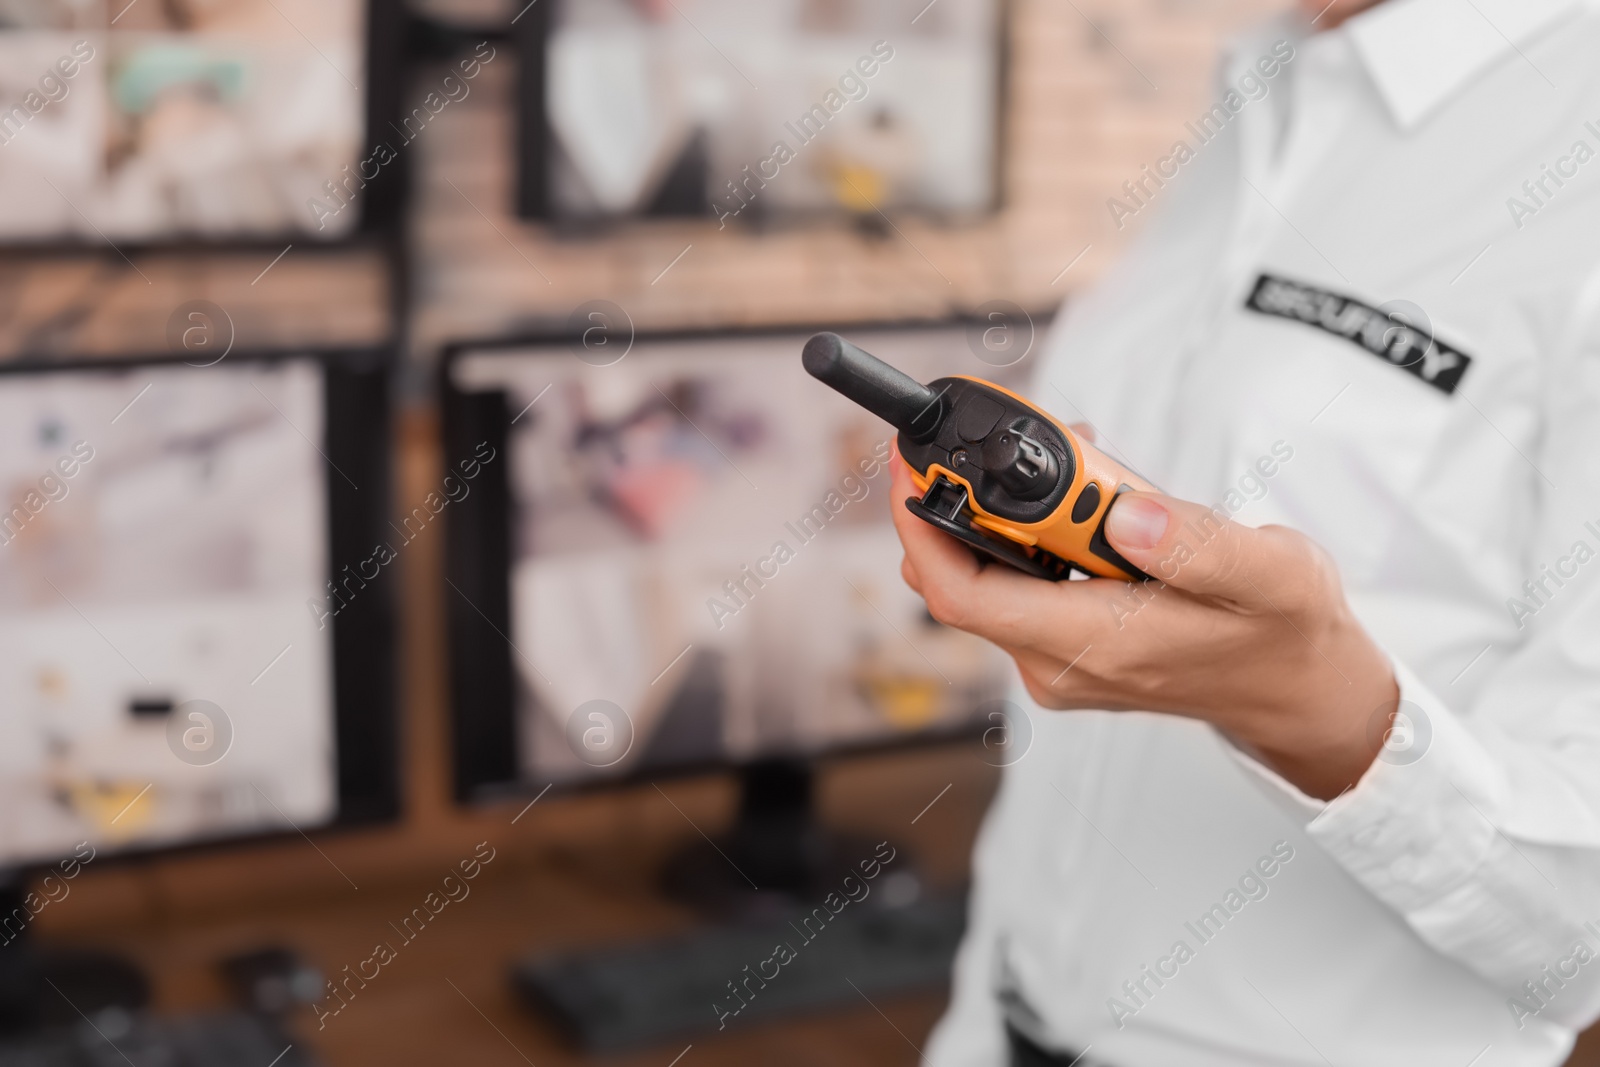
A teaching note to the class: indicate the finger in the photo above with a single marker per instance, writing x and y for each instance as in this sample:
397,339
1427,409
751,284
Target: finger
1052,683
909,574
1200,550
993,601
1003,605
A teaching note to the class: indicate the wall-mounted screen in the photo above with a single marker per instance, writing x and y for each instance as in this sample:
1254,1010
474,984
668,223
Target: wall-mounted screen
693,543
161,120
177,664
752,112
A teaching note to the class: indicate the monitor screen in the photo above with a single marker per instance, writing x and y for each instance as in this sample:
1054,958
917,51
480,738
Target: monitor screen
749,111
698,564
166,535
200,119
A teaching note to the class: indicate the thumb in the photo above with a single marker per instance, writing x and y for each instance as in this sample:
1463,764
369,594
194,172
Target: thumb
1200,550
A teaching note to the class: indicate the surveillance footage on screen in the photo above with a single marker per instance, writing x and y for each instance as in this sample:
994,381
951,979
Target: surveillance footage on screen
779,109
192,118
656,564
163,529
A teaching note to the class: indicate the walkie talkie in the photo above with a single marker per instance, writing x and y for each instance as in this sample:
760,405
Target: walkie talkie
993,470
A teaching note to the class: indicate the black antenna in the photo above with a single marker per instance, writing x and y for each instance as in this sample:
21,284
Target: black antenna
898,399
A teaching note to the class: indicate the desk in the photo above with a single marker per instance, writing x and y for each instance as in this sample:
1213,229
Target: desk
569,871
446,999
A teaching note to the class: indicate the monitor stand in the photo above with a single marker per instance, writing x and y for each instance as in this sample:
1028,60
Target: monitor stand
47,987
777,854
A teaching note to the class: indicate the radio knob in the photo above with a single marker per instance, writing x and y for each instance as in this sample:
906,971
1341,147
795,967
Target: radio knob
1024,468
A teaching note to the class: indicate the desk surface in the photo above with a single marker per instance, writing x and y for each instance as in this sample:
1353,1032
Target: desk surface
445,998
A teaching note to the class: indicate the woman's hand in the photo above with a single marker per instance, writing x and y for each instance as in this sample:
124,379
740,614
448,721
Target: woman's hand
1246,628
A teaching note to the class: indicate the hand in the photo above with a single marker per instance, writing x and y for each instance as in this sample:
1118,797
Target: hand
1246,629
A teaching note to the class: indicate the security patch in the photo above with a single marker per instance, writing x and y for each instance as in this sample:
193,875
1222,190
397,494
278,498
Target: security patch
1389,333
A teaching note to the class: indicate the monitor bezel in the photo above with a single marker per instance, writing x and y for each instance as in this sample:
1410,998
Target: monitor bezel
478,725
365,686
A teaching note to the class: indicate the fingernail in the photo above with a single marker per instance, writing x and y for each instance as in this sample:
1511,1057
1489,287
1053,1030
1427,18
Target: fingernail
1136,522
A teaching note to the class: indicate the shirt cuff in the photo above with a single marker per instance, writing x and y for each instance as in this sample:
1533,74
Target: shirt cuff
1412,830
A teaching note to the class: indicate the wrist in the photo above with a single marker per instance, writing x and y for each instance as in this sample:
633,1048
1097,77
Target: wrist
1322,740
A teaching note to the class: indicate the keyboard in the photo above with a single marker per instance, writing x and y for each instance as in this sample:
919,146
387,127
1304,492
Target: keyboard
623,997
115,1038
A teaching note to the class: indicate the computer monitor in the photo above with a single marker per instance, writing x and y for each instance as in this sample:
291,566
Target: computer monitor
199,121
752,112
674,552
185,658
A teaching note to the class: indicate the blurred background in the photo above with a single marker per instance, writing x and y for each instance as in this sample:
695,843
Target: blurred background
441,622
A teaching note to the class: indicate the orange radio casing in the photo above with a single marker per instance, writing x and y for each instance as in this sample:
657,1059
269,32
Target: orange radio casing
993,470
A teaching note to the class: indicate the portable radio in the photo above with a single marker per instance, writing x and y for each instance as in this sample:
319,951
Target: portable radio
993,470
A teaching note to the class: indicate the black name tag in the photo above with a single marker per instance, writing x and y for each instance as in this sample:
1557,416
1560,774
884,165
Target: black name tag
1387,335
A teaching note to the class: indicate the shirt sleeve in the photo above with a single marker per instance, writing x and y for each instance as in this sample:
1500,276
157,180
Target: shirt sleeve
1479,822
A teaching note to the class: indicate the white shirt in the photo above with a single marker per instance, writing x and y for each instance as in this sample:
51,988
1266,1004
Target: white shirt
1396,924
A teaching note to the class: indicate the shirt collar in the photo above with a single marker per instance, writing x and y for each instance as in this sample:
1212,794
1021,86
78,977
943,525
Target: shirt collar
1421,52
